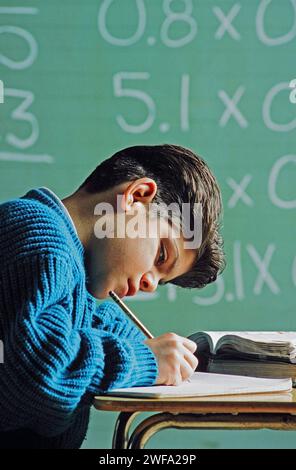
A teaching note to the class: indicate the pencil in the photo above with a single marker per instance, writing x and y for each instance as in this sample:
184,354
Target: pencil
130,314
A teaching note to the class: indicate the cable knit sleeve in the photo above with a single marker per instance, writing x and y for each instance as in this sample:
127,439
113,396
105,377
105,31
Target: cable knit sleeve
110,317
51,364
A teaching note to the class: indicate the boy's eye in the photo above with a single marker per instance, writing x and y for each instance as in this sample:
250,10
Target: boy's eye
162,254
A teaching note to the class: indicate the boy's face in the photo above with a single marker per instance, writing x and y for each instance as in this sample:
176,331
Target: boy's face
130,263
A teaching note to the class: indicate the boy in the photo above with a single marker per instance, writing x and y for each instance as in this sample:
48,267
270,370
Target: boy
60,348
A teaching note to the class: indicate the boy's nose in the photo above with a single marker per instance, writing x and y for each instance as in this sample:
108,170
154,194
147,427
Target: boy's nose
148,283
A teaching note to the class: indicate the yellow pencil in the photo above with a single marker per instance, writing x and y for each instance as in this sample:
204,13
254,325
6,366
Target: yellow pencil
130,314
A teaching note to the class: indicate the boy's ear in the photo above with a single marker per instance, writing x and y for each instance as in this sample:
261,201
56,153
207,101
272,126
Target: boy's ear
141,190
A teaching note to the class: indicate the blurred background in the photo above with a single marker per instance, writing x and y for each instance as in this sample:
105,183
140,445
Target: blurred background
85,79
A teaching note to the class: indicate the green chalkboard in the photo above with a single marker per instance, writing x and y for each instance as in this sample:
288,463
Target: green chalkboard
85,79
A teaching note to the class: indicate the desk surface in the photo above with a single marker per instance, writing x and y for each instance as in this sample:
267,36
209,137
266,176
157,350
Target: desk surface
255,403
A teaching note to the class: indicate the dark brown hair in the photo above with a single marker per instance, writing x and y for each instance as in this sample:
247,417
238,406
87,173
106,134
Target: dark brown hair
181,177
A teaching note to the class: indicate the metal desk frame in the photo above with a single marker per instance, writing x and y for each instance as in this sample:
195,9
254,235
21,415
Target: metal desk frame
243,412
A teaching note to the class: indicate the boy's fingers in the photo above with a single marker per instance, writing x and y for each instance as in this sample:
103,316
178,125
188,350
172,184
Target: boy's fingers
189,344
186,370
191,359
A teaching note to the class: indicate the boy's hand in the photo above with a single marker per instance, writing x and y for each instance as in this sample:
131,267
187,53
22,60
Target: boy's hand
174,354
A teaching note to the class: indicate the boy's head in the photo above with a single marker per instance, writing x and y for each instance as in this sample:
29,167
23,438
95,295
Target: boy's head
125,262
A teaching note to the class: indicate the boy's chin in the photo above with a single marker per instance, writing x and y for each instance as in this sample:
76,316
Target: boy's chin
98,293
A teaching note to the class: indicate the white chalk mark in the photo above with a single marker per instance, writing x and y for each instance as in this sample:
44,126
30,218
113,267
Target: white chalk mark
231,108
240,191
264,275
19,157
226,22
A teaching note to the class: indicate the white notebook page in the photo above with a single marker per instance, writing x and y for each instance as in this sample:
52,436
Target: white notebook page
205,384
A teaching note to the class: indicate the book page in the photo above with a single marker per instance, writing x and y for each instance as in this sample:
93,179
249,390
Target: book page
263,336
271,337
205,384
216,336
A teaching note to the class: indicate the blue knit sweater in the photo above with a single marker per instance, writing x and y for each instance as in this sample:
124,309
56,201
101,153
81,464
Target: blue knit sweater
60,347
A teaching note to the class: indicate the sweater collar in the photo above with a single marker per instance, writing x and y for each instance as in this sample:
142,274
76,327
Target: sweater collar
59,201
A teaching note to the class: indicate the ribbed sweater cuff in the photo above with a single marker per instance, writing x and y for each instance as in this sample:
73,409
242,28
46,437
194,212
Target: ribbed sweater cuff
128,363
145,369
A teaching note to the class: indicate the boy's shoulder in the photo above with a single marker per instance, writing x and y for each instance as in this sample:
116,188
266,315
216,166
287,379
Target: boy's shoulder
25,212
28,226
22,207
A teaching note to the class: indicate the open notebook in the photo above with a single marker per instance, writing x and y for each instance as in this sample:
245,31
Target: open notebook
205,384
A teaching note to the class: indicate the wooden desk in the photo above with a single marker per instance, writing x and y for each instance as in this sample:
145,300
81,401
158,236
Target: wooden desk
257,411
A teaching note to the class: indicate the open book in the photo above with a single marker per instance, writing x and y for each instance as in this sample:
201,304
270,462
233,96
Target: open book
204,384
250,353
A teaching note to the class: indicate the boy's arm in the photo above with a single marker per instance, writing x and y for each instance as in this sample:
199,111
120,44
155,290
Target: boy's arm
50,366
110,317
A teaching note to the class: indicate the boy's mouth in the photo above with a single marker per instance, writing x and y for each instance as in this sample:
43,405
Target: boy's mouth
129,290
132,290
